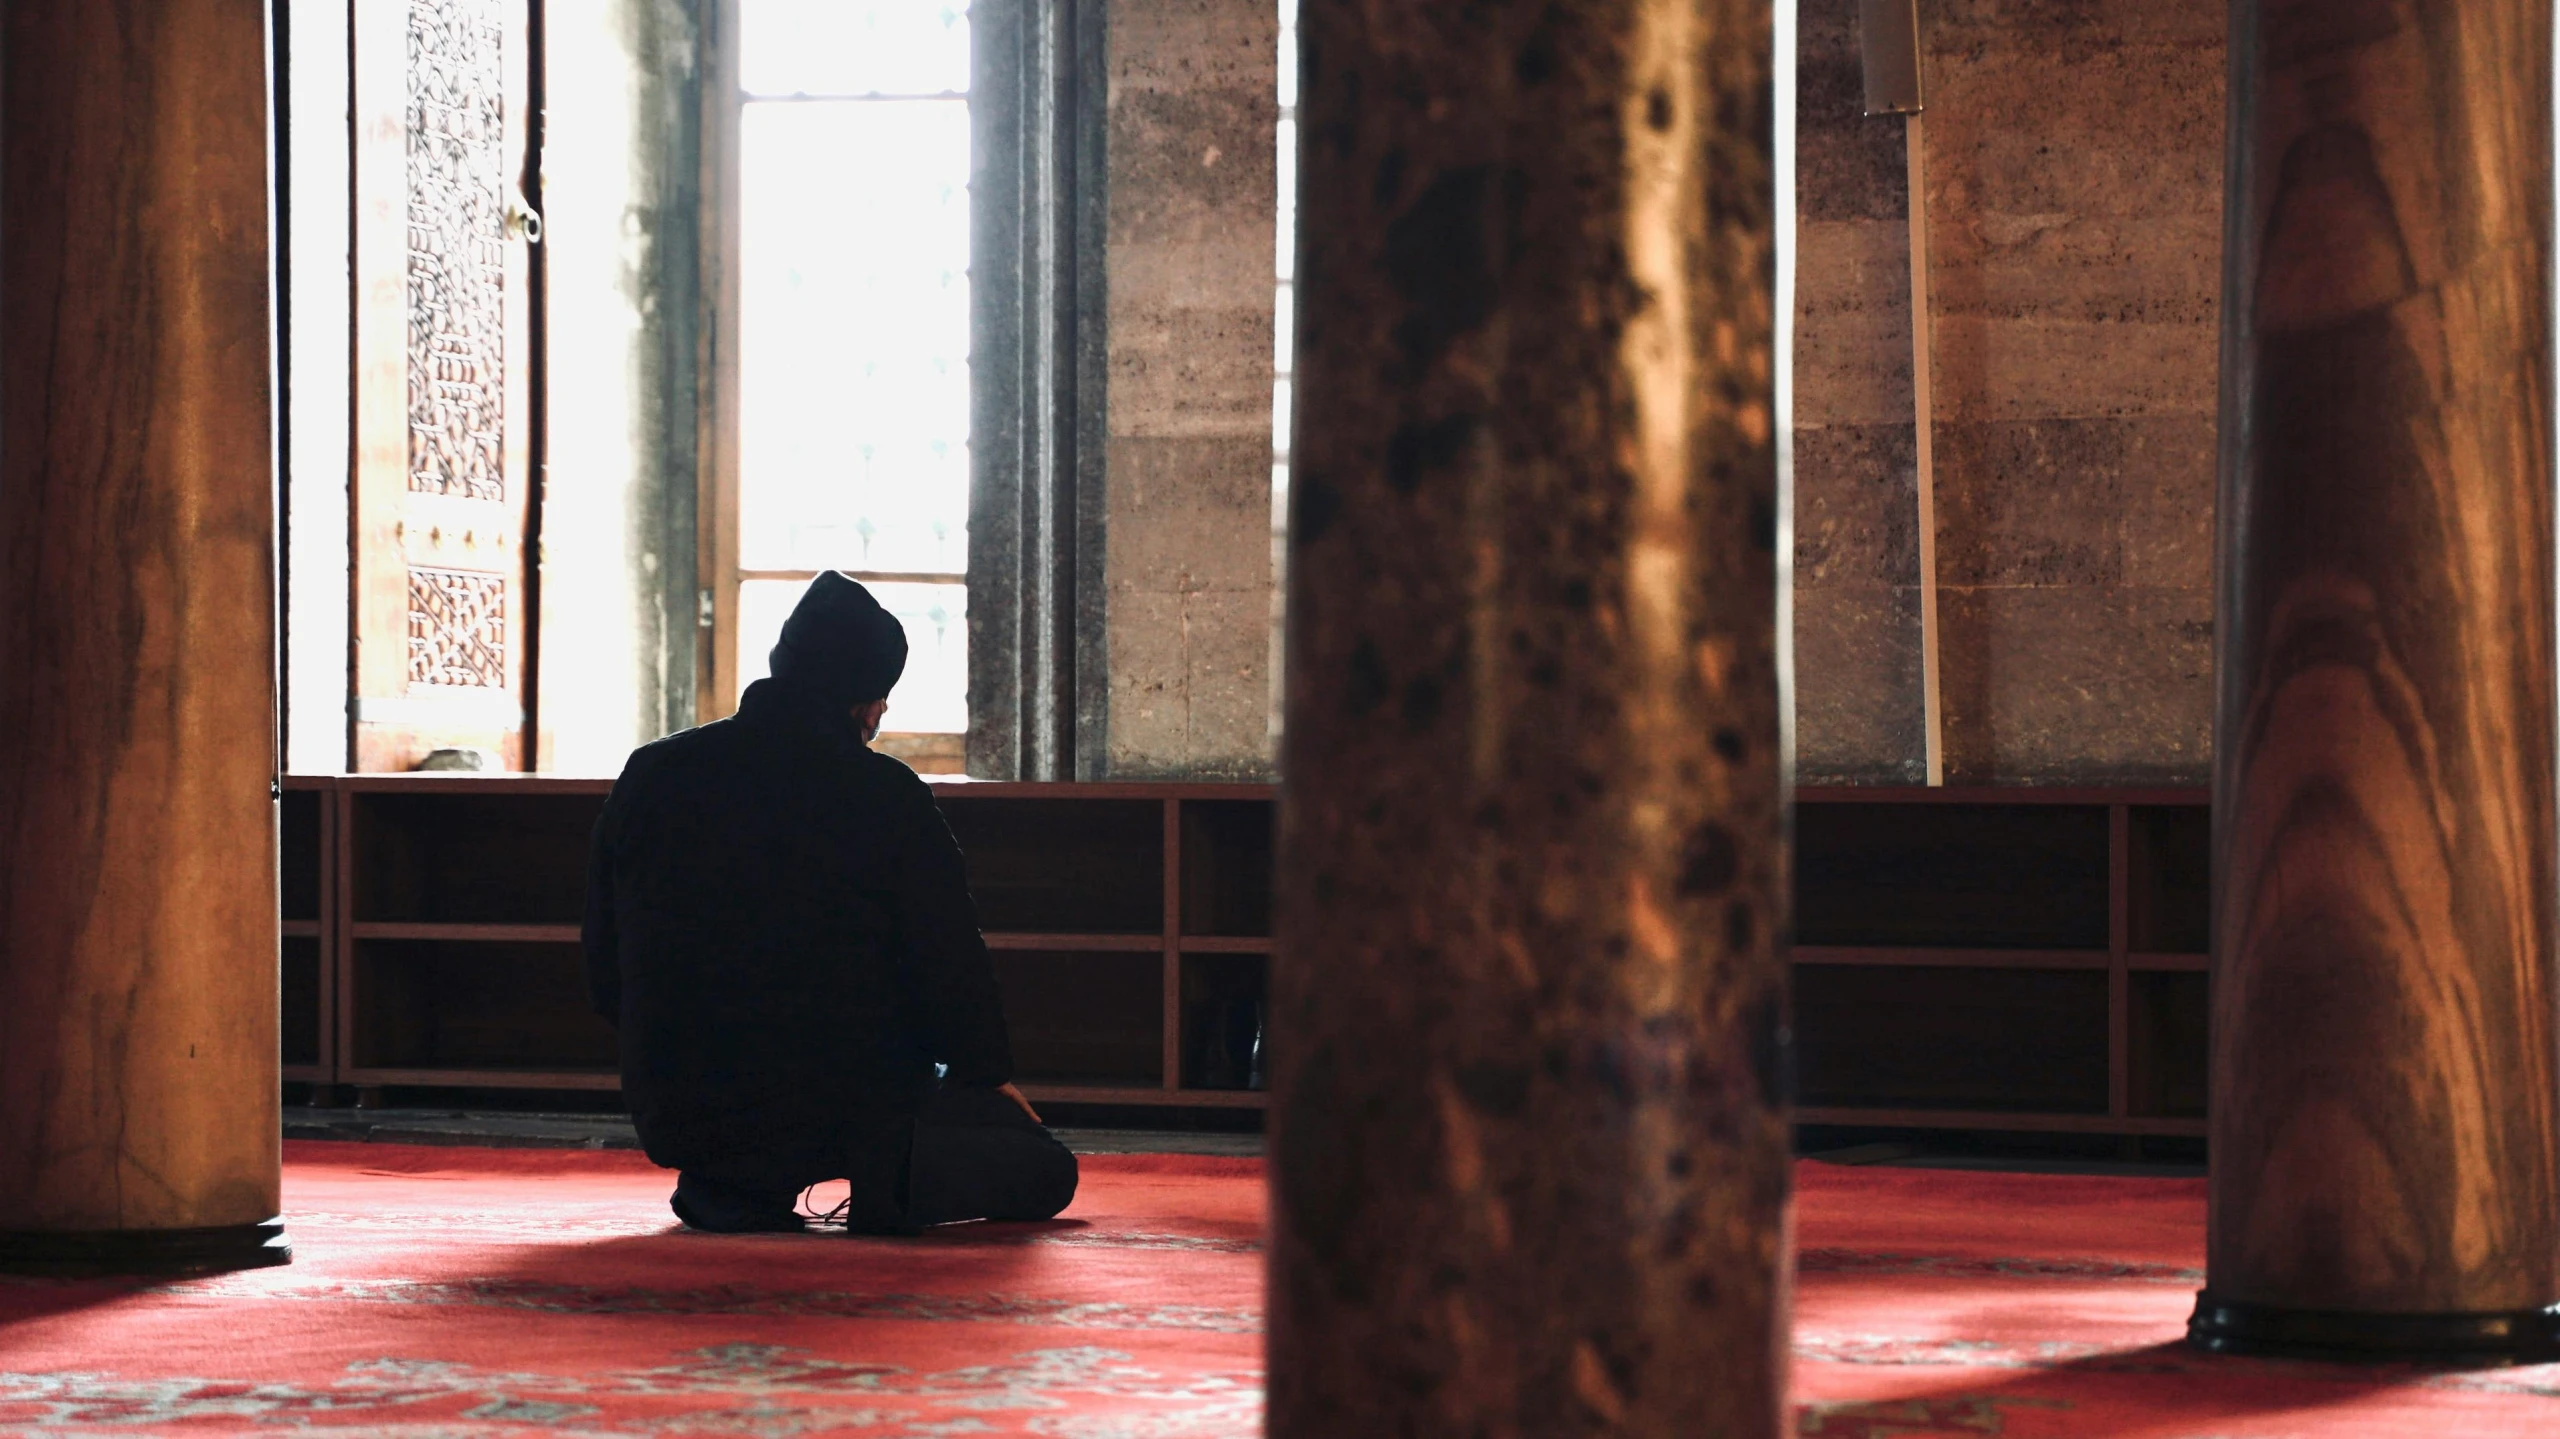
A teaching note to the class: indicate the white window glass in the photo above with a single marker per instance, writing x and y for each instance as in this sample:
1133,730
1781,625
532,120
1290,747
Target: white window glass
854,352
1285,243
853,47
853,325
931,695
1287,239
1288,62
1283,342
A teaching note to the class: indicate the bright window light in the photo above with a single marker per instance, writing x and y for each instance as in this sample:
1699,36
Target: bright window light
853,326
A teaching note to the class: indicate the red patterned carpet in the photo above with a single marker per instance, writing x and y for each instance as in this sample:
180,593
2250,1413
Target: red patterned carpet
456,1293
1935,1302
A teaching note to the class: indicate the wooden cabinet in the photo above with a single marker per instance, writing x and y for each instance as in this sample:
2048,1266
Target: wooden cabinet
2010,959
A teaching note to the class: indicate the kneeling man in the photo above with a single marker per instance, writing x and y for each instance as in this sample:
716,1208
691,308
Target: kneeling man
779,925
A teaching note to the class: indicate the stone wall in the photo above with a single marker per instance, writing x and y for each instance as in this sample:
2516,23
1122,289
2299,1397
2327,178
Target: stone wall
1187,548
2074,173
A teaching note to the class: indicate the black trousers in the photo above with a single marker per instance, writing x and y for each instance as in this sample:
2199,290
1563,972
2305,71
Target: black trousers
969,1153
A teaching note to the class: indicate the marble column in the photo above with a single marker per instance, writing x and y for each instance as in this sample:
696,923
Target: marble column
1530,1170
138,997
2386,1119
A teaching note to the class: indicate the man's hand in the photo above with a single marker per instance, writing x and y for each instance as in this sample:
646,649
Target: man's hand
1009,1092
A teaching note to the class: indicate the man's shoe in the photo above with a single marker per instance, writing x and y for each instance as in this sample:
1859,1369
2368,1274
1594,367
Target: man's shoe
720,1211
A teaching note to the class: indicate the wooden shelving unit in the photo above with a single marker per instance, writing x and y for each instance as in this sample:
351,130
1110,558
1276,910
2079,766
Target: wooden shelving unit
2004,959
306,876
449,957
1969,959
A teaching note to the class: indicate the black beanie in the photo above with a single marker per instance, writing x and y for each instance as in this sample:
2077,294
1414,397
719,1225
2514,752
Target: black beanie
840,645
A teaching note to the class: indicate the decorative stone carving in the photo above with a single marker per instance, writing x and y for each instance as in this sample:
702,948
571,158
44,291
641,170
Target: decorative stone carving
457,628
457,248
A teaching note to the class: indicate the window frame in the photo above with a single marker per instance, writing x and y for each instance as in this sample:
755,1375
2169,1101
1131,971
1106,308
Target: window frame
716,535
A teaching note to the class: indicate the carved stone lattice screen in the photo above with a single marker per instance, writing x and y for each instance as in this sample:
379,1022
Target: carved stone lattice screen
457,628
457,248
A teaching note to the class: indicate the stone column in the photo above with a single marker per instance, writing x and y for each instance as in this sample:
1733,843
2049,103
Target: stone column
1530,1133
138,988
2386,1127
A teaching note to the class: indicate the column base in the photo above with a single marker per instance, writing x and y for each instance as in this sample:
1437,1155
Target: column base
85,1254
2520,1336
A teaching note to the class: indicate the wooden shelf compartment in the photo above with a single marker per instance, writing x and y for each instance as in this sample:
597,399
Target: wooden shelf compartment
1906,1037
1085,1019
306,881
456,855
1226,1002
2169,879
302,858
462,1006
1227,868
303,1013
2010,875
1067,866
2167,1019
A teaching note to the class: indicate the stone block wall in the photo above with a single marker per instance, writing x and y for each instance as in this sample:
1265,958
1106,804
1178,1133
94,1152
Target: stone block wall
1187,529
2074,171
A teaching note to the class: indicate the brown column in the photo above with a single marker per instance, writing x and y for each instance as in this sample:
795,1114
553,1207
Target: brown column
1530,1145
2386,1130
138,998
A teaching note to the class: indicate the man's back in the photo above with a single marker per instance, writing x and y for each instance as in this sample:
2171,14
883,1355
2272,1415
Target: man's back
779,924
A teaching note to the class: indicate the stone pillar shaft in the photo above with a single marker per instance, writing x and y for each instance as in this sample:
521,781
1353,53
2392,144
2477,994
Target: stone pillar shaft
138,989
2386,1117
1529,1137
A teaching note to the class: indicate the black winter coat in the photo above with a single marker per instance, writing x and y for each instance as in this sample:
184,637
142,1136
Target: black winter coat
778,923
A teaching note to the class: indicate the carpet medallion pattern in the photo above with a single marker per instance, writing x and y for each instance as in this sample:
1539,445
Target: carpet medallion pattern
499,1294
731,1389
